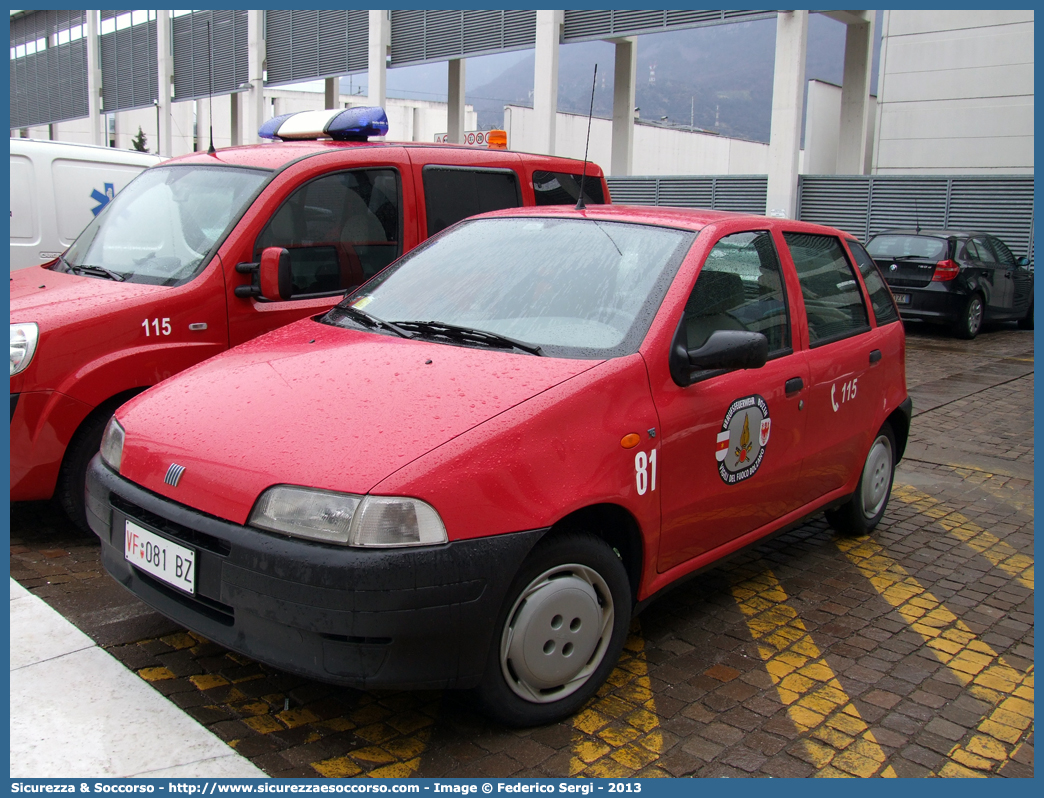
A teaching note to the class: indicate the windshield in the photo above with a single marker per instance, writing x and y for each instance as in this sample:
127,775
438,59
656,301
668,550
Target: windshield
161,227
569,287
899,246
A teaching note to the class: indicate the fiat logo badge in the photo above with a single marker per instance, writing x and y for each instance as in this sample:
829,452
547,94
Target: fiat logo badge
174,474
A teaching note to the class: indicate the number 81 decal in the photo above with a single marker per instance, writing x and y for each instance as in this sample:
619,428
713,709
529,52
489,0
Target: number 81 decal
645,472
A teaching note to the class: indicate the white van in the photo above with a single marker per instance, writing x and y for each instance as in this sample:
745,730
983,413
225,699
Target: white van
57,188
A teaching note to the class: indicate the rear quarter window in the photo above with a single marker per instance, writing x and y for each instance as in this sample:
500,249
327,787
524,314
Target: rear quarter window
562,188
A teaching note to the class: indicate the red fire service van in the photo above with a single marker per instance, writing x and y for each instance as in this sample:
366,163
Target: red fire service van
172,271
473,470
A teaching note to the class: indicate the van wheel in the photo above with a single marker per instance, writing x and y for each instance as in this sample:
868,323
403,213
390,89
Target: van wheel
72,478
866,507
559,634
970,321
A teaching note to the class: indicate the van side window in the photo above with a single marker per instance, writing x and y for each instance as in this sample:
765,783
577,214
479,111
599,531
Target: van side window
833,302
455,193
559,188
740,287
880,294
340,229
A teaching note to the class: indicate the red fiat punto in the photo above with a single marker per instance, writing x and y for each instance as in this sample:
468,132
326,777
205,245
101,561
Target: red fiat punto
478,466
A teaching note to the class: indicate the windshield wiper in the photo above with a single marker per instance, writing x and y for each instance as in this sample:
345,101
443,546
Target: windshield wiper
905,257
94,271
367,320
467,335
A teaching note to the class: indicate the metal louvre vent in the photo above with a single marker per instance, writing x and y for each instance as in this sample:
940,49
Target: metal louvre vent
49,85
586,25
841,202
192,67
303,45
741,193
865,205
128,66
418,36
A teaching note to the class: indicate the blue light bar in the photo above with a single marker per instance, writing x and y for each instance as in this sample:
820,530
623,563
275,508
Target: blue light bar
352,124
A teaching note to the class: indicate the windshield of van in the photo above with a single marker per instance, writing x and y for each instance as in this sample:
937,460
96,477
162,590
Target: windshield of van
161,227
578,288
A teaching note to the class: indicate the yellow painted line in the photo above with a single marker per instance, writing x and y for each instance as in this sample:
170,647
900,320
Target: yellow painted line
617,734
995,550
816,703
996,737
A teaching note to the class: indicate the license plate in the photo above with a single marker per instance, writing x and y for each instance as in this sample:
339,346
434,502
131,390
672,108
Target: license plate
160,557
902,299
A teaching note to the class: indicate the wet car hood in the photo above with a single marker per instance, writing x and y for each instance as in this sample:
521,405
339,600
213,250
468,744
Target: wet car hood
319,406
52,299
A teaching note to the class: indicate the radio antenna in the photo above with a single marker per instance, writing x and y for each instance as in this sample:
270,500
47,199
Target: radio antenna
917,216
580,200
210,77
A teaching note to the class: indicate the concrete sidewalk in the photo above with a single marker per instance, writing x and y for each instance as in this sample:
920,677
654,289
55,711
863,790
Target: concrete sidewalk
78,712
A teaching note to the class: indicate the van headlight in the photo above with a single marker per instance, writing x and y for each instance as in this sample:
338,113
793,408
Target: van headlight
348,519
23,345
112,445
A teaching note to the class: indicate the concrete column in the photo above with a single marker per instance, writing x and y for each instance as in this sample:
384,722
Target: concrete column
788,89
164,75
95,119
545,78
455,113
253,100
855,96
332,93
377,70
236,137
626,65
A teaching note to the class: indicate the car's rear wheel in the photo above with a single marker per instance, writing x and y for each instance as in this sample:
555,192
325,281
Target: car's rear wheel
559,633
1026,322
970,321
866,507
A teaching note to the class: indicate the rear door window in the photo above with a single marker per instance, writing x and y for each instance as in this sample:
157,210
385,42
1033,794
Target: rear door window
561,188
880,295
833,302
340,230
453,193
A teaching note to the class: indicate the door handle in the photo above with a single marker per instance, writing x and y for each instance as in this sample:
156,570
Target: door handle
793,385
875,355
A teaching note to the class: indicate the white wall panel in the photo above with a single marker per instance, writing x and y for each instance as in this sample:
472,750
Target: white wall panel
911,22
1008,80
1012,155
961,49
940,121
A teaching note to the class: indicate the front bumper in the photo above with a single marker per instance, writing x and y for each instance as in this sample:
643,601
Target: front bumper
936,302
416,618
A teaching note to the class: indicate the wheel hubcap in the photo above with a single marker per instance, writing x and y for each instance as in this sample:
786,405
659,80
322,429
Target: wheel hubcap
877,476
974,315
557,633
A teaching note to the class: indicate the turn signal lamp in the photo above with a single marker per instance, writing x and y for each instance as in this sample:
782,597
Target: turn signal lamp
496,139
945,270
630,440
350,124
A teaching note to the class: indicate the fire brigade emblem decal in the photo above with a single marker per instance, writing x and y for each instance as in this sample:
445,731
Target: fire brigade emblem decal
742,440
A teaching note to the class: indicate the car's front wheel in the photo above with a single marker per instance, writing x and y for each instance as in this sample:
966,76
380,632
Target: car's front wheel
559,633
970,321
866,507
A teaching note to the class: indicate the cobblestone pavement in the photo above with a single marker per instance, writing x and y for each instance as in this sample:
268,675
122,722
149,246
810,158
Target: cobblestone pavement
907,653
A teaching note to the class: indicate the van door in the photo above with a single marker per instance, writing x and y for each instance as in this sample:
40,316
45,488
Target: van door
341,225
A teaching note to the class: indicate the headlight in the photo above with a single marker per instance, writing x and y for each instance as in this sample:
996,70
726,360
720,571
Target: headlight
112,445
347,519
23,345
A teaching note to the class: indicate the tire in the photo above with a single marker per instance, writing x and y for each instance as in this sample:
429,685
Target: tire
970,322
1026,322
570,599
866,507
72,478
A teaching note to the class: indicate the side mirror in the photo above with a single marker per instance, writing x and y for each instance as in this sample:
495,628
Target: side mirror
1023,262
725,350
276,280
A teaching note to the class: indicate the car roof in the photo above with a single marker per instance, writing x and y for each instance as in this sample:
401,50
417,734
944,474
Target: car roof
276,155
694,219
